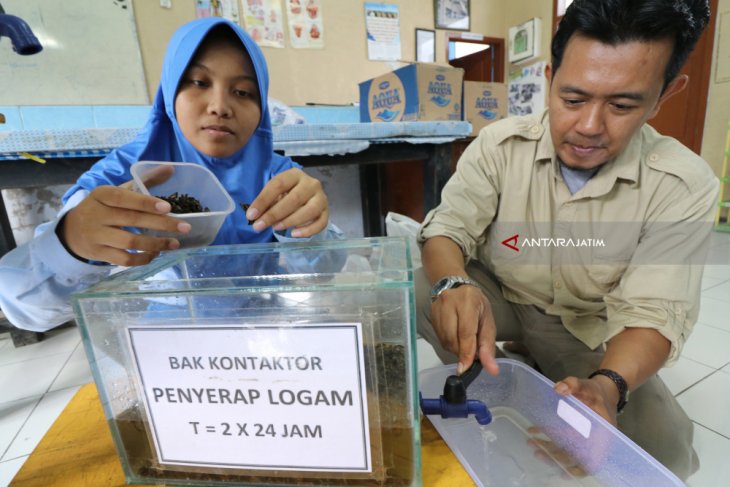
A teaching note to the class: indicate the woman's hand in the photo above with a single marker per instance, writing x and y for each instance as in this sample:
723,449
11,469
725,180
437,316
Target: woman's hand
291,199
94,230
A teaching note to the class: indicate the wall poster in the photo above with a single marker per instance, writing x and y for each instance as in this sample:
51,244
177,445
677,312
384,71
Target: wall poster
228,9
527,89
382,24
262,19
306,25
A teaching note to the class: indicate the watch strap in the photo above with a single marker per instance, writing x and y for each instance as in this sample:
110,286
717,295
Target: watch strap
450,282
621,385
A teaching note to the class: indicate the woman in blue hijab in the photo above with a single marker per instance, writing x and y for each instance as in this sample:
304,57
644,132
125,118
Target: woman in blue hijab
210,109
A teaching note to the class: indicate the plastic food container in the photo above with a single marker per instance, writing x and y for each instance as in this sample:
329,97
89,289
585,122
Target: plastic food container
196,181
578,446
260,364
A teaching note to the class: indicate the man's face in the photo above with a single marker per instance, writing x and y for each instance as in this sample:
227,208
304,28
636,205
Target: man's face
217,104
602,94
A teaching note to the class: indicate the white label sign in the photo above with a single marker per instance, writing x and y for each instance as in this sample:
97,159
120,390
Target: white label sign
284,397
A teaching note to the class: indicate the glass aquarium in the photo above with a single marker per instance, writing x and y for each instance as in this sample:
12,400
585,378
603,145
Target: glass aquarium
264,364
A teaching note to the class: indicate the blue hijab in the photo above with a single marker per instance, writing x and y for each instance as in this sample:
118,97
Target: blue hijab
243,174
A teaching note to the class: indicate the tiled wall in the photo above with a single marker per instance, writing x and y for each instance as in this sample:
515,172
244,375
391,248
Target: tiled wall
131,116
73,117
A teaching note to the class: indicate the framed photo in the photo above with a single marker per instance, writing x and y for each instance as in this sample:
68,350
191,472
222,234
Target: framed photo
451,14
425,46
524,41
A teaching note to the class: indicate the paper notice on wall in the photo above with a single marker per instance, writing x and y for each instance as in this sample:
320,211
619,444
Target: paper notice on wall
228,9
382,24
306,25
262,19
527,89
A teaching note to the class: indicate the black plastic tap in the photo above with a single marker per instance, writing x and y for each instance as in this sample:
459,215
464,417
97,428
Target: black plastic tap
453,403
19,33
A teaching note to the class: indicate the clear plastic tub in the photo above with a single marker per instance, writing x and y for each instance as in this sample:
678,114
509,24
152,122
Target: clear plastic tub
577,446
196,181
205,364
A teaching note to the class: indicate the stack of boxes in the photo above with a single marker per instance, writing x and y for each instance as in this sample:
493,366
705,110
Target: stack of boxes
426,92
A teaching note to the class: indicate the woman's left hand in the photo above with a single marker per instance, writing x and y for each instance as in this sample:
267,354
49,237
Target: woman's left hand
292,199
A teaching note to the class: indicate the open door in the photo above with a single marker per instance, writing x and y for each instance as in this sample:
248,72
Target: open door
683,115
484,60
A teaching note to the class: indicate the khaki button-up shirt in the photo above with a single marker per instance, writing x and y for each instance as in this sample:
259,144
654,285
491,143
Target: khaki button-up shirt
626,250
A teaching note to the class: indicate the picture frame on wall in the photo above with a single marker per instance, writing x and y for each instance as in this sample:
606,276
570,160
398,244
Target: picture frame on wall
451,14
524,41
425,46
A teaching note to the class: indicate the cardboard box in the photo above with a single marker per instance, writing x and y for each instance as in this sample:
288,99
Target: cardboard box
484,103
415,92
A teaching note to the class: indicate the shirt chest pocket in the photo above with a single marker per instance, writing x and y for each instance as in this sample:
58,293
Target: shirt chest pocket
606,276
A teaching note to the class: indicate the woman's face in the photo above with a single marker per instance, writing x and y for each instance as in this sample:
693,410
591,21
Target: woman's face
218,105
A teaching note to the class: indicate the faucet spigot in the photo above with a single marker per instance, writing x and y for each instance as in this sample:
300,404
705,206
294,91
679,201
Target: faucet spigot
22,37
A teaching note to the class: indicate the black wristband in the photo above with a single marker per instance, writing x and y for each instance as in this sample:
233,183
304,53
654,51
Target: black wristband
57,230
623,388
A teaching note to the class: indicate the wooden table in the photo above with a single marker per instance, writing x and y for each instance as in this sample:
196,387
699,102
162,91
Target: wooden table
78,451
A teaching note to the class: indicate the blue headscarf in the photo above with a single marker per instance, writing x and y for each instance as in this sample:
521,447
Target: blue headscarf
243,174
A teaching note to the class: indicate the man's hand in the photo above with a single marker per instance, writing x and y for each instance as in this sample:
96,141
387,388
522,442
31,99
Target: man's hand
291,199
599,393
635,353
462,316
94,230
463,321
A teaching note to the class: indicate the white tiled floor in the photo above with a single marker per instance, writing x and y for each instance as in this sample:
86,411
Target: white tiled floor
37,381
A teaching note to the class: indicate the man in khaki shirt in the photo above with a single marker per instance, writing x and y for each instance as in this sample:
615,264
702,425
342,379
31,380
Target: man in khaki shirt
581,232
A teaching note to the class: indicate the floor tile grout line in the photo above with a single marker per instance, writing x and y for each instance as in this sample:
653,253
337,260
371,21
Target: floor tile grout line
62,367
715,297
710,429
696,382
713,326
10,444
722,281
721,301
3,364
40,398
14,458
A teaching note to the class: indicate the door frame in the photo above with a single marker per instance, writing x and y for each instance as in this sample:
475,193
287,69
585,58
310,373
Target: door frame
496,43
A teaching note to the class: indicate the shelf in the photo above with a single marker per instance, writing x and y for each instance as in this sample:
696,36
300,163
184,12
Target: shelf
723,227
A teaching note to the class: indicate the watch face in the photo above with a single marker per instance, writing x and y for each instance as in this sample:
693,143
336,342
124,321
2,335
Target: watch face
440,286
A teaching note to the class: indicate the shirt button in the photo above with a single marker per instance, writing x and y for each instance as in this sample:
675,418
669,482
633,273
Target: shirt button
654,157
535,129
557,284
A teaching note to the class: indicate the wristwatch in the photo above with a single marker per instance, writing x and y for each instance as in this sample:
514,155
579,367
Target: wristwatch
450,282
623,388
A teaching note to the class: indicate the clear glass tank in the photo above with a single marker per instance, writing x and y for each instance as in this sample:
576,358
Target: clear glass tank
266,300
